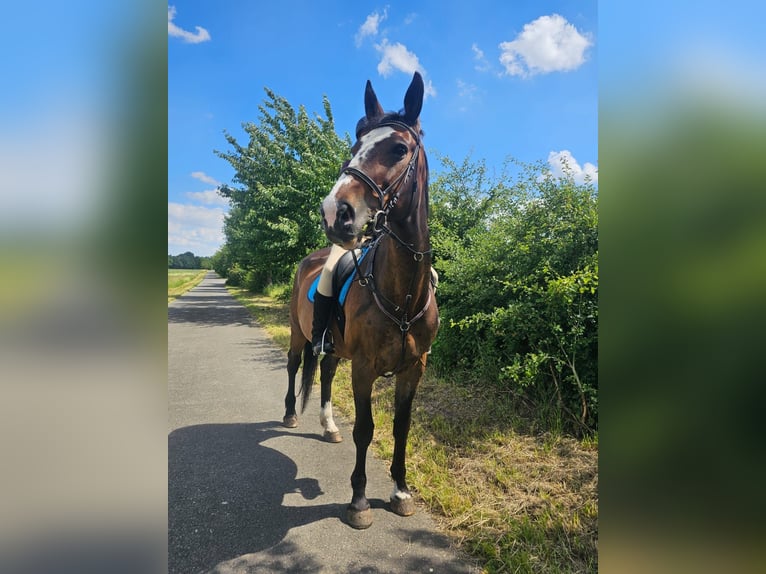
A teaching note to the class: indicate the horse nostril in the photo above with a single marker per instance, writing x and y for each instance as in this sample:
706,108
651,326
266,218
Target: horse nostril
345,214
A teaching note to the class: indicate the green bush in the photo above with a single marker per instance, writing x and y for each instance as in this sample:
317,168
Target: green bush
256,280
280,291
235,276
519,286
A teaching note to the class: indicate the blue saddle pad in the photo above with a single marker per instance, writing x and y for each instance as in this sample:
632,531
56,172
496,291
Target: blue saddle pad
346,283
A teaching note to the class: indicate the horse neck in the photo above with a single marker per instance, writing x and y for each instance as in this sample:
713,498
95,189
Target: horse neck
413,229
404,273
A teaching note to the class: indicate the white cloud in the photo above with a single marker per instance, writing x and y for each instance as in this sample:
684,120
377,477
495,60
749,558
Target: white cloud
370,26
205,178
197,226
201,35
548,44
398,57
208,197
563,163
482,65
393,56
194,228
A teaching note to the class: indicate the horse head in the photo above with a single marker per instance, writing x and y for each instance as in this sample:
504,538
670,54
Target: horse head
384,164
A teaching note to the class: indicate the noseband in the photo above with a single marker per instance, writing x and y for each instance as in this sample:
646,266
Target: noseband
385,207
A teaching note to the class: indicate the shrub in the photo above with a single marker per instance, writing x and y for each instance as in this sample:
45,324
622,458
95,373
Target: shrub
256,280
235,276
518,296
280,291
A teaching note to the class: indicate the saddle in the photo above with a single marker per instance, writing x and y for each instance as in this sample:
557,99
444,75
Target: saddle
342,277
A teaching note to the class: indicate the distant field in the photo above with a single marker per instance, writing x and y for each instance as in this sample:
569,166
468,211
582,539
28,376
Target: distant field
181,280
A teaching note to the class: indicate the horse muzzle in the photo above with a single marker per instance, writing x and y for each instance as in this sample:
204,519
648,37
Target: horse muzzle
338,219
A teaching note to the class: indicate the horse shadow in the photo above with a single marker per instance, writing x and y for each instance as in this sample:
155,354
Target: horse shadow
225,494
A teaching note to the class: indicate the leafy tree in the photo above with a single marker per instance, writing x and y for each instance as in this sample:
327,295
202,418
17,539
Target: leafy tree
289,164
185,260
461,200
221,262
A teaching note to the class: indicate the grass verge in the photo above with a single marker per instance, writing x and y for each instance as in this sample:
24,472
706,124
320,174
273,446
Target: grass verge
181,280
515,500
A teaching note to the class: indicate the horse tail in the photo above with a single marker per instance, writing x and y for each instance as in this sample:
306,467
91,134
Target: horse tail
308,375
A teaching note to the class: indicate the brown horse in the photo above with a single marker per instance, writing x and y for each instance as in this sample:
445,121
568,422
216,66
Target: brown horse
391,313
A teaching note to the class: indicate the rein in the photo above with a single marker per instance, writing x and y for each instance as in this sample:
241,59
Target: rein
379,227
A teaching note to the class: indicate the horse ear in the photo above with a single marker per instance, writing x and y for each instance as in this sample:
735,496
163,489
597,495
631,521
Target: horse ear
372,107
413,99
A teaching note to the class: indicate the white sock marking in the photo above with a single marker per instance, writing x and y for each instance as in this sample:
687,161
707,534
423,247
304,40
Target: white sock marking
325,417
401,495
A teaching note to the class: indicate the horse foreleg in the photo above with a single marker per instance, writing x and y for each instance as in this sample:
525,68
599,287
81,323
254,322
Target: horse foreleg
406,386
290,419
328,366
358,513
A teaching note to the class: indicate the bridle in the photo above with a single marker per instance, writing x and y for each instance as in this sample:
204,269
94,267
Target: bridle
401,179
378,227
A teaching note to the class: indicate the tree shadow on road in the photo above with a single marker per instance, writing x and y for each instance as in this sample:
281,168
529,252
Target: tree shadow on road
225,493
208,311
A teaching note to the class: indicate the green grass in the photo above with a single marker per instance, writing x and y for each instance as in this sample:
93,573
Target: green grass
181,280
516,499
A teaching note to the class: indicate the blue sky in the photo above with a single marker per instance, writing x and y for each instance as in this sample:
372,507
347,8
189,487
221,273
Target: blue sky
503,79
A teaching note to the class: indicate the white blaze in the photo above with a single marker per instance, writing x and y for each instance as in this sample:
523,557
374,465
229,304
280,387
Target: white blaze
329,204
369,141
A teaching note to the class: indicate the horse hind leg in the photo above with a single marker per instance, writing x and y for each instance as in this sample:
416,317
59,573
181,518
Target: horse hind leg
327,367
290,419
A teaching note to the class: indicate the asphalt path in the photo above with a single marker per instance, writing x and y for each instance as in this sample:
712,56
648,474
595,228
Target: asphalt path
246,495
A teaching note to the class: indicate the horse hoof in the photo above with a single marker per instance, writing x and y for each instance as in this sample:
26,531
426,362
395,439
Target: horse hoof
332,436
403,506
290,421
359,519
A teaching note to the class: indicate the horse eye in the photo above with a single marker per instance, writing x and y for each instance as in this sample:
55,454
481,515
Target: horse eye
401,149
